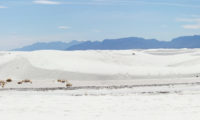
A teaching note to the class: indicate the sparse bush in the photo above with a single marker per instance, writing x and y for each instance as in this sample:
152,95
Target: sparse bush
9,80
68,85
2,83
19,82
27,81
59,80
62,81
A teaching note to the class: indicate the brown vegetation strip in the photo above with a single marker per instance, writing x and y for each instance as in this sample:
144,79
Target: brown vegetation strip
95,87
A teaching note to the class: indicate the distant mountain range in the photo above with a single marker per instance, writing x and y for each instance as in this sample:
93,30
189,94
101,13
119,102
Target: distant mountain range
48,46
118,44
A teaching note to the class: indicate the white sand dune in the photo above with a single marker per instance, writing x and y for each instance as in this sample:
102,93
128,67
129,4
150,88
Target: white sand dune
164,77
85,68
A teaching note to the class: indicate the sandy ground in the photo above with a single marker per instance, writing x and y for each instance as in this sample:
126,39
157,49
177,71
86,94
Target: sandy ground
100,68
102,104
157,84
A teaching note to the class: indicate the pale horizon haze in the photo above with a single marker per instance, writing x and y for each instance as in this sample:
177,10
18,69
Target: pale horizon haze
24,22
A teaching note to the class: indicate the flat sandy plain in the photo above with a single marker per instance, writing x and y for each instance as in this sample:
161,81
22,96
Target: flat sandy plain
160,84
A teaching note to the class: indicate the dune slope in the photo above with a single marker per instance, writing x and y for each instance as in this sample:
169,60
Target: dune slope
103,67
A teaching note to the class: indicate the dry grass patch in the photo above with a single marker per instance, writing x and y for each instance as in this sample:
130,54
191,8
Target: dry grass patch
9,80
27,81
19,82
2,83
68,85
62,81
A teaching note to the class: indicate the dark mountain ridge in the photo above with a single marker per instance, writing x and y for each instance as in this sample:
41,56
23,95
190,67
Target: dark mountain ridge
139,43
48,46
118,44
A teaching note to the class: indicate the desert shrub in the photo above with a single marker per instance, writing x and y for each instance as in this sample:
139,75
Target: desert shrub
27,81
9,80
68,85
2,83
19,82
65,81
62,81
59,80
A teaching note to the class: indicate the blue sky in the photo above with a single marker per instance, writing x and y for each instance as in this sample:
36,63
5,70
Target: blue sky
24,22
